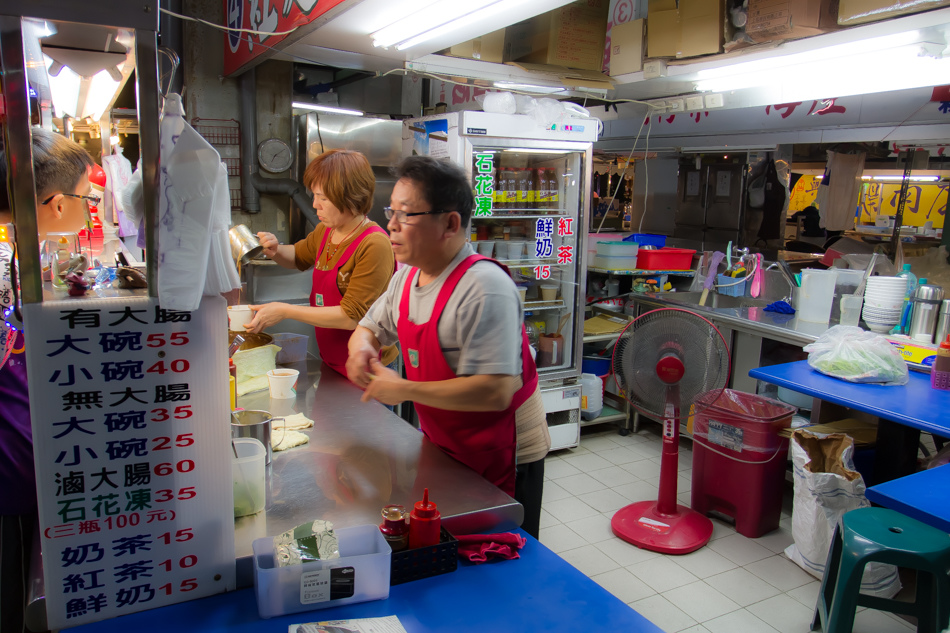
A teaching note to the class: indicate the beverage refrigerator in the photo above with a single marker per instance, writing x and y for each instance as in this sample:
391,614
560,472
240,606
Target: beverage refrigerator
531,184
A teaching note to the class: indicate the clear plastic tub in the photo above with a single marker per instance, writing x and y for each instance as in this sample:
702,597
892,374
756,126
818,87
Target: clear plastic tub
361,573
293,347
248,475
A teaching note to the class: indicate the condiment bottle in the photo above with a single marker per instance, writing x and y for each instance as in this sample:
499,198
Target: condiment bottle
940,372
425,523
394,527
232,379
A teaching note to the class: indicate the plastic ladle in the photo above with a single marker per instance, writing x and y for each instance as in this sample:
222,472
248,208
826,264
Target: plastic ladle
714,262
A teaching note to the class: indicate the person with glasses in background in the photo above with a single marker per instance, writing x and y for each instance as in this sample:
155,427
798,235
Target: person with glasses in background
350,255
61,175
458,319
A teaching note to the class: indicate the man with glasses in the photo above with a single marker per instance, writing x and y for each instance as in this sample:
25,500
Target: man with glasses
458,319
61,175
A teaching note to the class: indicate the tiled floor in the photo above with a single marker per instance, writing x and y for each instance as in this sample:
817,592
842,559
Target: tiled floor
732,585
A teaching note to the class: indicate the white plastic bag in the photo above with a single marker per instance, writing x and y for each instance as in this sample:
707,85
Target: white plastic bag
826,487
850,353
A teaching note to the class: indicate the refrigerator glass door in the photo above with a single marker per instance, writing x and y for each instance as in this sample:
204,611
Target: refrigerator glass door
529,216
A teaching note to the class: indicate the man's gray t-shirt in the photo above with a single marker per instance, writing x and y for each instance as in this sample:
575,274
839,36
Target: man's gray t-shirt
480,328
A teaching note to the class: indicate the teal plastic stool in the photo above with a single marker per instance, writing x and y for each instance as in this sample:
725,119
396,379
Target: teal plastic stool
880,535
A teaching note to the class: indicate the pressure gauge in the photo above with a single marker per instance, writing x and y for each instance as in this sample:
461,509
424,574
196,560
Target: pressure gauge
274,155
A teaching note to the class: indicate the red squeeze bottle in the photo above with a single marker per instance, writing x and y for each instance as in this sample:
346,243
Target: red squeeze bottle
425,523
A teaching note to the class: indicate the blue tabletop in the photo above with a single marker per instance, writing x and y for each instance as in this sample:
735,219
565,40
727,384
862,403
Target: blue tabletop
924,496
538,592
915,404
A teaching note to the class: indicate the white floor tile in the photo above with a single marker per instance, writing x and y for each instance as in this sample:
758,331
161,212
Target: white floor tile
645,450
597,443
661,574
554,469
552,491
590,560
780,572
614,476
619,455
740,549
625,553
807,594
684,484
776,540
577,450
663,613
720,528
593,529
742,587
547,520
570,509
623,584
741,621
637,491
872,621
699,628
580,484
704,562
644,468
586,463
560,538
783,613
604,500
701,601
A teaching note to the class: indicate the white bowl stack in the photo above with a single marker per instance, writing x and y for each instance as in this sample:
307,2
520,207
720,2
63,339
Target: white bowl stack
883,302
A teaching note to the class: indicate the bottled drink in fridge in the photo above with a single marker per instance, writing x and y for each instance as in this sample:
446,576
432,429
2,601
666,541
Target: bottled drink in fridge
553,186
524,188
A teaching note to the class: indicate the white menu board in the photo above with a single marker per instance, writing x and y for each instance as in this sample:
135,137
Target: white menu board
131,440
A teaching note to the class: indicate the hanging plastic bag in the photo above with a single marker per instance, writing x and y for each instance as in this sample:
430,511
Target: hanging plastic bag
826,487
850,353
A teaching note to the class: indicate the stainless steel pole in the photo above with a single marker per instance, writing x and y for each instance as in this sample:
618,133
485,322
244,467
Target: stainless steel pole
146,77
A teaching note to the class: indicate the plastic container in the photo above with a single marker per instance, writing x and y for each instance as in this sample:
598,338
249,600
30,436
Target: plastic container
739,460
618,249
911,280
597,365
851,309
614,262
592,396
415,564
293,347
361,573
647,239
731,286
816,295
940,372
248,476
665,259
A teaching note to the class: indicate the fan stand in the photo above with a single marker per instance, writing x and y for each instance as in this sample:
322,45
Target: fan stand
663,525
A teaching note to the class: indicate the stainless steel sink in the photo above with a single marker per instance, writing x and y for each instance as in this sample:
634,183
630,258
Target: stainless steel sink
714,300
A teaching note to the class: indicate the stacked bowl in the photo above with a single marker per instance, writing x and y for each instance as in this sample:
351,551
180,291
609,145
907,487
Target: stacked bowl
883,301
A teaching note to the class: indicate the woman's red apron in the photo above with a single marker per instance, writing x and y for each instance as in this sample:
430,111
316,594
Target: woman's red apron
326,293
485,441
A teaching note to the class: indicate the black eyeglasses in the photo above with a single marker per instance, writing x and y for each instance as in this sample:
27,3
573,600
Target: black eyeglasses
402,215
92,198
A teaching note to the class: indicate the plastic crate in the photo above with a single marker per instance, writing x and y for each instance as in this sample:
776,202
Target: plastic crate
422,562
665,259
647,239
731,286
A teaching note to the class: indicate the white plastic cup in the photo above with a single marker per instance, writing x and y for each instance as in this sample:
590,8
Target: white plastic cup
238,316
816,295
281,382
485,247
248,475
515,249
851,309
549,292
523,291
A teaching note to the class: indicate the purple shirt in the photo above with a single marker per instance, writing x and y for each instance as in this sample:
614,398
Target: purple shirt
17,478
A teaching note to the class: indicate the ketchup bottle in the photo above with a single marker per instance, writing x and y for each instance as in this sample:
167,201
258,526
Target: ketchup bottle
425,523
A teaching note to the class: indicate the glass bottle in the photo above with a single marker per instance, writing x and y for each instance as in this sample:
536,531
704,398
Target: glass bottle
394,527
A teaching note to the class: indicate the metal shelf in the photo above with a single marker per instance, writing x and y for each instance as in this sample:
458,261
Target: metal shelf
607,414
544,305
680,273
521,214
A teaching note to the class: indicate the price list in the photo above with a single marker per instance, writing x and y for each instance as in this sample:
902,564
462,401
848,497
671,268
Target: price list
131,446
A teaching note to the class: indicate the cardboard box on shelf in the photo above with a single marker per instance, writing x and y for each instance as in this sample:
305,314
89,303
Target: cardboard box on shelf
851,12
621,12
487,48
689,29
626,48
571,36
771,20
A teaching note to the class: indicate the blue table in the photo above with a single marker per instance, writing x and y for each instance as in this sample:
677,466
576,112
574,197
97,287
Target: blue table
538,592
924,496
904,411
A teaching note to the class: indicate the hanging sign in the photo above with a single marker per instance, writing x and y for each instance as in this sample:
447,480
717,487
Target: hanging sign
484,184
131,442
267,17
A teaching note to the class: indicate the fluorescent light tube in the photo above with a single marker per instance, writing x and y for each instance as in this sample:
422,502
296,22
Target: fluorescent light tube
510,85
911,178
322,108
536,150
427,19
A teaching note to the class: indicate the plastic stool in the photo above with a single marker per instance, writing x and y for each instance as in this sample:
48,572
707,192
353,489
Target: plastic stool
884,536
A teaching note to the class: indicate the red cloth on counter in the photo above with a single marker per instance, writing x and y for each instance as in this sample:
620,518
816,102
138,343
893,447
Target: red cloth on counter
480,547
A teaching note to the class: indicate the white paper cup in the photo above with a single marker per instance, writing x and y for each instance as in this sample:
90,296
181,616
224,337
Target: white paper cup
238,316
523,291
515,249
282,382
549,292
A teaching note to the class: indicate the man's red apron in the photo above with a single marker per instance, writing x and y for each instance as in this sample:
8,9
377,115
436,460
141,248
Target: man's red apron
326,293
485,441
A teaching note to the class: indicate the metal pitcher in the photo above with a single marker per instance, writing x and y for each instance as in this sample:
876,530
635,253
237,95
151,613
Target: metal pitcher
244,244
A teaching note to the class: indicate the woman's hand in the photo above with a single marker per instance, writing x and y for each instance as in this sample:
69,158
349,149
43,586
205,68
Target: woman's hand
269,242
385,385
265,316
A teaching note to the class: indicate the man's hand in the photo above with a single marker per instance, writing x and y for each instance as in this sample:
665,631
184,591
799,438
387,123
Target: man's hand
265,315
361,353
384,385
269,242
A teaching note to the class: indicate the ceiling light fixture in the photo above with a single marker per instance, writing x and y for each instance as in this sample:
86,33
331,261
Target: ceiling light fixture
437,19
510,85
322,108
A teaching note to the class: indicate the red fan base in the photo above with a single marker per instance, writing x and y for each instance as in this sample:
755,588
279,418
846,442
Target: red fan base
680,532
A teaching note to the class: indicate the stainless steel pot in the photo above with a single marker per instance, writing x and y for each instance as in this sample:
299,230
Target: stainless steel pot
255,424
244,244
923,321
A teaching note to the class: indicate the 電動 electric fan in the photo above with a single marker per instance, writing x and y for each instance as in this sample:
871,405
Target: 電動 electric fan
663,361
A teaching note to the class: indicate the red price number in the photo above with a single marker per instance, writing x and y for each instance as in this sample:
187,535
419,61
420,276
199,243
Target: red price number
178,366
184,494
181,412
158,339
182,535
181,441
184,562
186,585
122,520
165,468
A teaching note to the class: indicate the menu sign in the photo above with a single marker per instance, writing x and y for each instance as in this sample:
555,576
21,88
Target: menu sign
129,404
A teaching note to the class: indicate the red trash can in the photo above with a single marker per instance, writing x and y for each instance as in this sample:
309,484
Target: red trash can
739,459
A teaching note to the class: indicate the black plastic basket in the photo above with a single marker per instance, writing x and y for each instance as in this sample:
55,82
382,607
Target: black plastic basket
422,562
